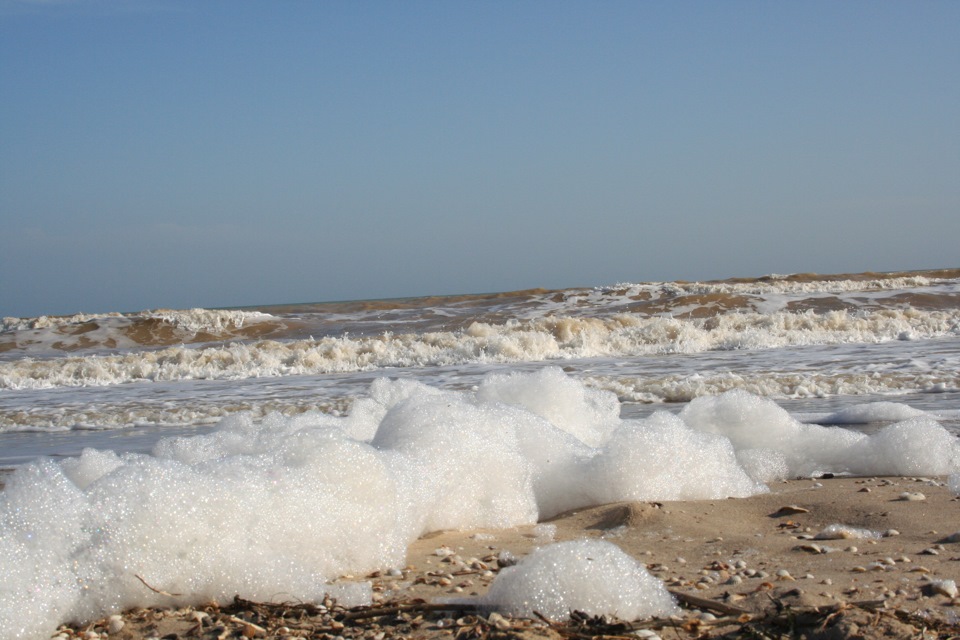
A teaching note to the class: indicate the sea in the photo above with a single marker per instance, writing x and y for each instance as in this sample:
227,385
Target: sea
814,344
265,451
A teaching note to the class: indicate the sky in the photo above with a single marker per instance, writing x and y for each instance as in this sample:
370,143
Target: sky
205,153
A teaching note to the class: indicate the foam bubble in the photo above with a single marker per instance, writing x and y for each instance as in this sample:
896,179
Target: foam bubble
591,576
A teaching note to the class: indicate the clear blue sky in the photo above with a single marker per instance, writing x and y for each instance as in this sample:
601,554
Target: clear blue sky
181,153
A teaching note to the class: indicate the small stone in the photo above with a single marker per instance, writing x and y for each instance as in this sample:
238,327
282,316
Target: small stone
953,537
889,533
783,574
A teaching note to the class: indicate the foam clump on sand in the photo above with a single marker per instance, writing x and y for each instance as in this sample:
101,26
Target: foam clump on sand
591,576
774,445
845,532
953,483
271,508
874,412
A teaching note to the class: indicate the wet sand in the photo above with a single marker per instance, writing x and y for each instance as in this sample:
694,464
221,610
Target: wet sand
738,566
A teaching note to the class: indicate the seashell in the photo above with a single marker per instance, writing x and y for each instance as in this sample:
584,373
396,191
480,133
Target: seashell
116,624
498,621
945,587
788,510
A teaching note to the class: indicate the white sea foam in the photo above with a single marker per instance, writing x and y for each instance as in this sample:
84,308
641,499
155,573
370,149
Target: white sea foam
269,509
874,412
757,425
591,576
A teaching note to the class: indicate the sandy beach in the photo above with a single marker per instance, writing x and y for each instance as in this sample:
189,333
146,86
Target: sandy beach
769,565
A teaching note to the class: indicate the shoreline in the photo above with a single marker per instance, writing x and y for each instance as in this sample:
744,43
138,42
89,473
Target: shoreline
756,556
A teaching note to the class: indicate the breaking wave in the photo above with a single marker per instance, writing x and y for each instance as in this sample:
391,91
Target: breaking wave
544,339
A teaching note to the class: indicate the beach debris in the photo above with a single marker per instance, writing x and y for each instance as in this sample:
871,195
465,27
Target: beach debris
846,532
953,537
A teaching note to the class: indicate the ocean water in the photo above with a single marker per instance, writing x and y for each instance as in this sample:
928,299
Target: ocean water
223,452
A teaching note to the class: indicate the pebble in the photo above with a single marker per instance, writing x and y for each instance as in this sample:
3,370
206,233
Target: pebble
783,574
889,533
953,537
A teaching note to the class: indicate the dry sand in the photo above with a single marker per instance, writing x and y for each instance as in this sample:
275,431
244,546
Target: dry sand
752,559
